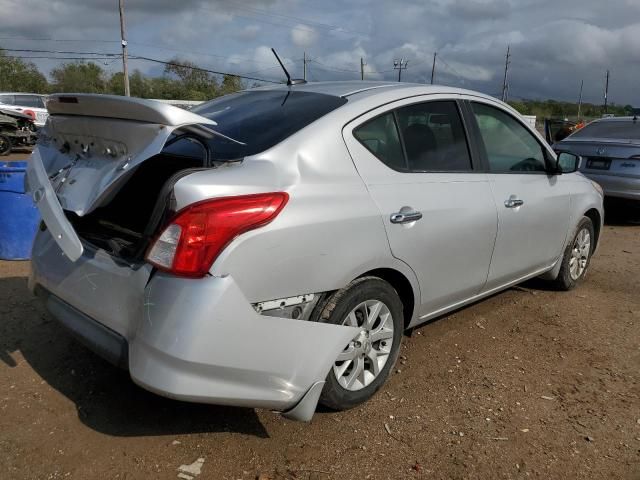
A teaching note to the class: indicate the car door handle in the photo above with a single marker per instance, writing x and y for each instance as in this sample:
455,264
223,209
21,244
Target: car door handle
513,203
405,217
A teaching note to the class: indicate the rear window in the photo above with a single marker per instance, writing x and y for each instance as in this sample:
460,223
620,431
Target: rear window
262,119
624,130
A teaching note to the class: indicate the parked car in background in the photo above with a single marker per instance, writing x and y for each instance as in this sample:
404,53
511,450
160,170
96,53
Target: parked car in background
610,151
268,248
16,130
32,104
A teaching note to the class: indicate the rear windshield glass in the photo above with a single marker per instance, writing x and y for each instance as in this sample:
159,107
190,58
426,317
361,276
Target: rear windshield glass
262,119
624,130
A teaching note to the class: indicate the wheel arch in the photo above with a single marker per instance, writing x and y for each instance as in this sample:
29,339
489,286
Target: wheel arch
401,285
594,215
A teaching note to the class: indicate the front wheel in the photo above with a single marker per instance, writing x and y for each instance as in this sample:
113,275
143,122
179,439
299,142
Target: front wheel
577,256
363,366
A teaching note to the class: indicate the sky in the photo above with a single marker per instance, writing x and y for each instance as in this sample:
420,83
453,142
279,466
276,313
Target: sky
555,44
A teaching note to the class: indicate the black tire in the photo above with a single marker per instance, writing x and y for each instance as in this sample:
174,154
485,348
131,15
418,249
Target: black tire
335,310
5,145
566,280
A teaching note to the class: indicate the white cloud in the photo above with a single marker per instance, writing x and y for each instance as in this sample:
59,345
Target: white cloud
303,35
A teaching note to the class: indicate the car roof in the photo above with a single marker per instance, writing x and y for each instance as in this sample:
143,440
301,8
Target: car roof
356,89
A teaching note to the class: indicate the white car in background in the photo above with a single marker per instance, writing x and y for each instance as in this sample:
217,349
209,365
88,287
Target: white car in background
32,104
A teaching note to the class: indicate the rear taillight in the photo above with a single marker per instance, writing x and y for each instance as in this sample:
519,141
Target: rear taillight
31,113
192,241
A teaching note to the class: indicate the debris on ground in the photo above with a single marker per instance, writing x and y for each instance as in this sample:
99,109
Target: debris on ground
189,472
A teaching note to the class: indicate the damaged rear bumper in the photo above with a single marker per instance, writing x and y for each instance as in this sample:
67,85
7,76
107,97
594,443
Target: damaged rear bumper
196,340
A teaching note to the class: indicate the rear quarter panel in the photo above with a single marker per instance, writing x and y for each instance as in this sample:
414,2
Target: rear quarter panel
329,233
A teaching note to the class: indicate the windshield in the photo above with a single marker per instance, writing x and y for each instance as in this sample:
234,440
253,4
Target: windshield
263,118
618,129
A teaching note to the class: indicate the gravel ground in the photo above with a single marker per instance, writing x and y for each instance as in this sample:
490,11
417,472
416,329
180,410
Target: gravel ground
528,383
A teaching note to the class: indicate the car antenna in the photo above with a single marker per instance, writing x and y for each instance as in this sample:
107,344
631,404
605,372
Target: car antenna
290,81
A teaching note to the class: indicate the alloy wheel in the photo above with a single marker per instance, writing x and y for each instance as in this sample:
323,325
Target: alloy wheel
580,254
362,360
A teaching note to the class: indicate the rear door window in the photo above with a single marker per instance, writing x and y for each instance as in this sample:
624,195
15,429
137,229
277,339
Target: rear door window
6,99
263,118
434,137
424,137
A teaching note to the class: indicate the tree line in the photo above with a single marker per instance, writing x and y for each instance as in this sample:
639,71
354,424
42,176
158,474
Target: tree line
569,110
179,81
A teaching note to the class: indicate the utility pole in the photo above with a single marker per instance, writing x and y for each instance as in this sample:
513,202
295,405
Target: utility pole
304,66
125,69
505,84
362,64
606,92
433,68
580,99
400,65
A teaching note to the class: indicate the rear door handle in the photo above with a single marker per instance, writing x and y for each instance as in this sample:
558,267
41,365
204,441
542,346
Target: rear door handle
405,217
513,202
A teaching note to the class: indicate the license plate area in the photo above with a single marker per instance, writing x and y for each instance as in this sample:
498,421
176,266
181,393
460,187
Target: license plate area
598,163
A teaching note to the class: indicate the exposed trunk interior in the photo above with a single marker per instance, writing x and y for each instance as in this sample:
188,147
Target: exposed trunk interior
124,226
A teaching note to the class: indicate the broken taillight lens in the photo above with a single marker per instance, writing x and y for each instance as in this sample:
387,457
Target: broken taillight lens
192,241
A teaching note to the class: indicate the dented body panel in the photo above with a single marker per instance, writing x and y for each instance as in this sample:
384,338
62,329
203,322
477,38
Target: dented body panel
195,340
205,339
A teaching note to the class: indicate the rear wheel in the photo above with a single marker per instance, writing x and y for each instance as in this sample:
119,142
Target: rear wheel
577,256
5,145
363,366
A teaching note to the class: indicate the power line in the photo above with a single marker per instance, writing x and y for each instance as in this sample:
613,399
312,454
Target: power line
452,70
154,60
62,58
324,66
111,56
83,40
61,52
140,44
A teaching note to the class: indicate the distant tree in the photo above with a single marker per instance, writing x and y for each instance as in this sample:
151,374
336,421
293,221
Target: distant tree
16,75
231,84
140,85
195,84
79,77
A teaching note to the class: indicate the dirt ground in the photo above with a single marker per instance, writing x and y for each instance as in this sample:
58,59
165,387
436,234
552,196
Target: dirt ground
530,383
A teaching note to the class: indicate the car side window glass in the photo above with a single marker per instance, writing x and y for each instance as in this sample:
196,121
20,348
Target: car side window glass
380,137
434,137
6,99
28,101
509,146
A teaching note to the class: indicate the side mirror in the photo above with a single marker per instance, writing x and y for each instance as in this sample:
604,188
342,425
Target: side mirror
567,162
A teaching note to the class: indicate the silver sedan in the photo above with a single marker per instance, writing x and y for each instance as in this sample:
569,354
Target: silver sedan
610,148
269,248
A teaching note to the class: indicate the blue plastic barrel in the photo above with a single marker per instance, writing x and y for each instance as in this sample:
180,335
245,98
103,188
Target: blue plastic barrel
19,216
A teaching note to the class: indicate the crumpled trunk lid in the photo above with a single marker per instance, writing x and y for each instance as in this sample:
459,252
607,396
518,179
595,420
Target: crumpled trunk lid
89,147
